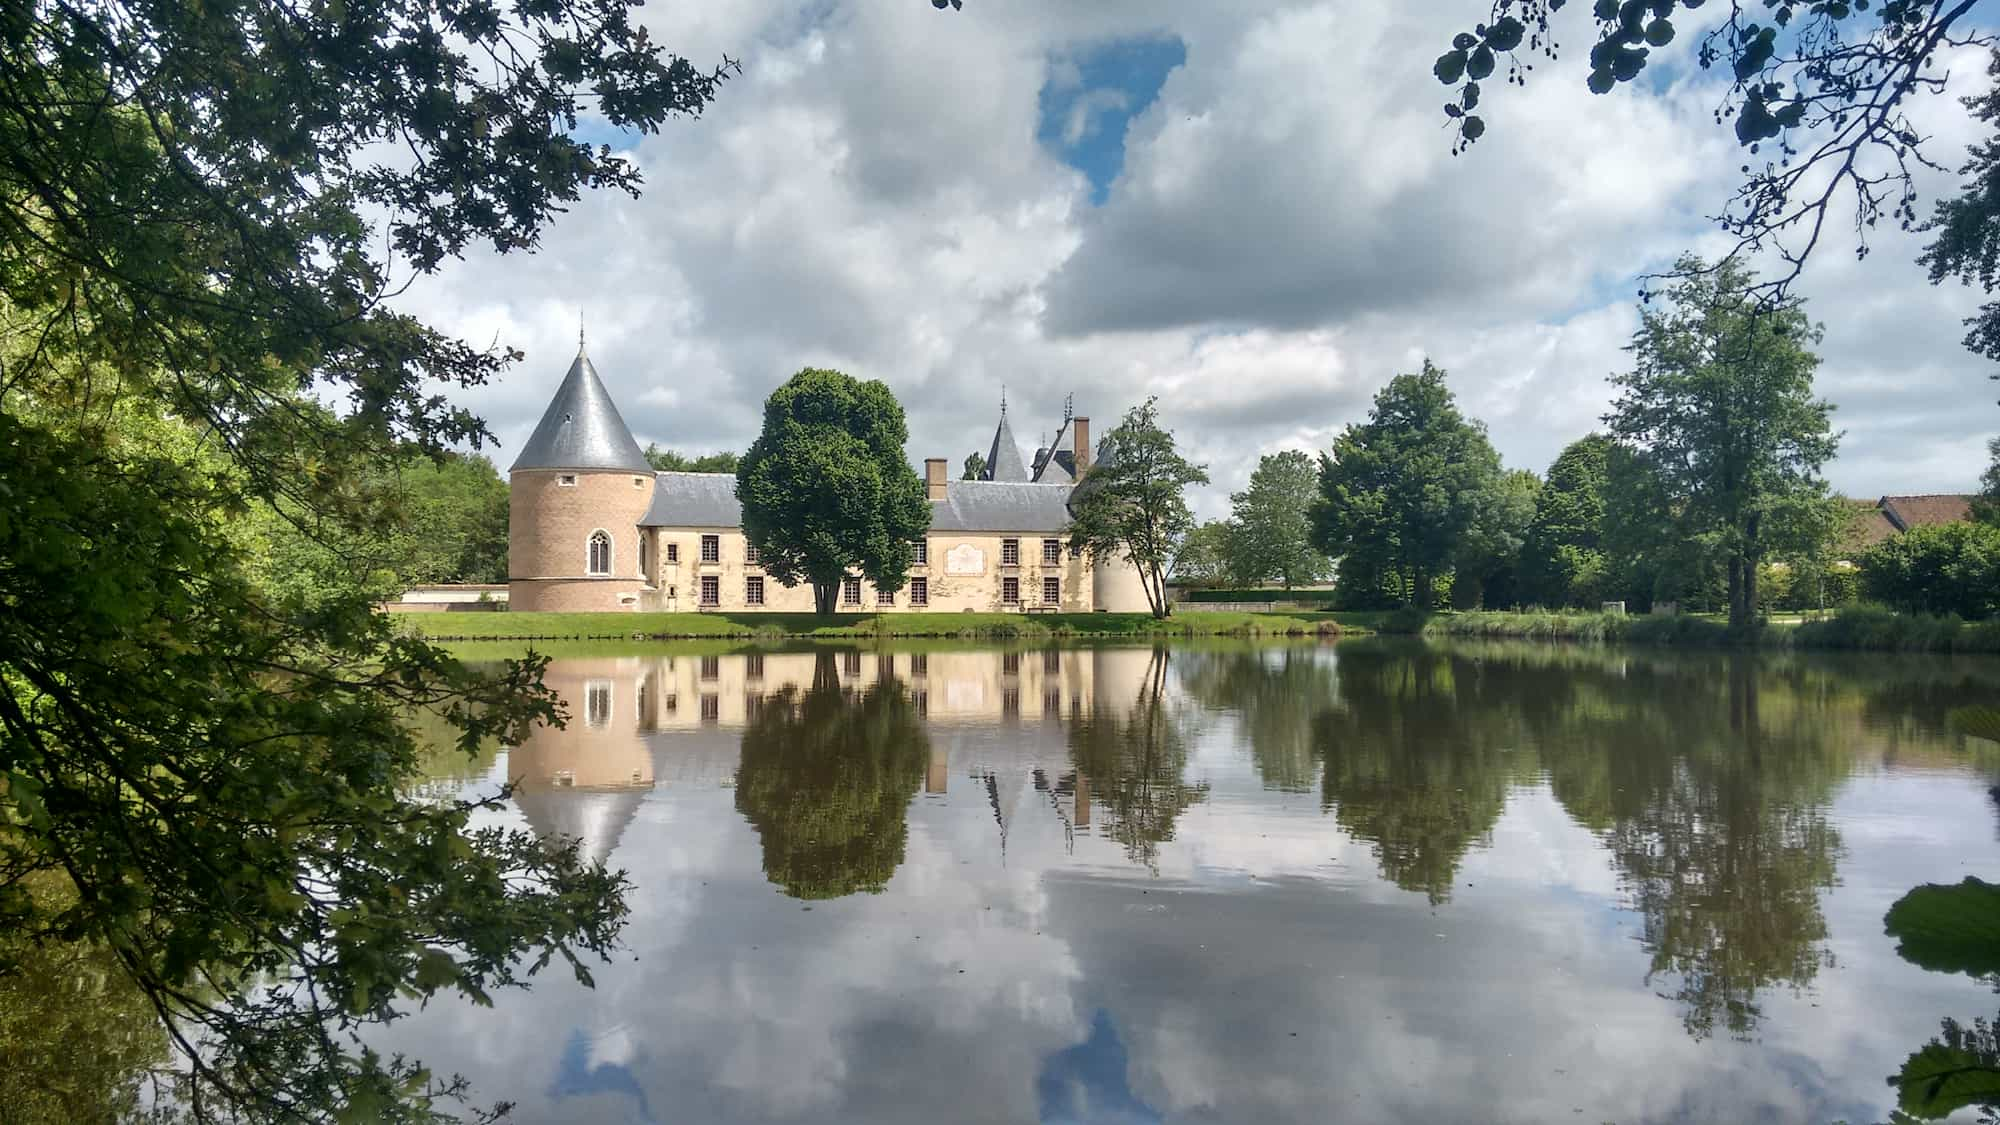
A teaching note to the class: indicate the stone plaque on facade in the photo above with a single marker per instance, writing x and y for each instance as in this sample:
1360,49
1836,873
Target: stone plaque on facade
965,559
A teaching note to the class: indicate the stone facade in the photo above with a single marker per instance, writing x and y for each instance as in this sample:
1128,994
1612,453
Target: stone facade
673,542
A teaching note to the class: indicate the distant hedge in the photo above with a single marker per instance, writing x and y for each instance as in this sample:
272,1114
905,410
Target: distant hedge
1258,595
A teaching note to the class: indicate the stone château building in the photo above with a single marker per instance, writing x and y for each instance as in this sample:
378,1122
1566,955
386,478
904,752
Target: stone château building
593,527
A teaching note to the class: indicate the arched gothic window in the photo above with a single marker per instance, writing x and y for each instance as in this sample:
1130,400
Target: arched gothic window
600,553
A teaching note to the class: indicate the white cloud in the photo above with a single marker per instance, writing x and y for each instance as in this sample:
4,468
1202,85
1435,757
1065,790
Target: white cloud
1289,230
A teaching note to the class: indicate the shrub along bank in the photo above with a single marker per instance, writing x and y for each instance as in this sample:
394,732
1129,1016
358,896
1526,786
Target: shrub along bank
589,626
1860,628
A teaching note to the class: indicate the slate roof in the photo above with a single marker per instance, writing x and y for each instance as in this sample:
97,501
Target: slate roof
984,505
1003,461
1907,512
1060,467
582,429
694,500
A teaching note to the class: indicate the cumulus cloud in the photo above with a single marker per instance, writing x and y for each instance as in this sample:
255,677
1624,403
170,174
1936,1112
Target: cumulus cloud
878,192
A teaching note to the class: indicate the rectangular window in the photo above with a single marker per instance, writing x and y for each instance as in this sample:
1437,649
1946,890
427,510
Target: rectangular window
920,591
1010,663
567,480
711,548
711,708
1052,662
1010,591
882,598
1051,591
753,666
711,667
673,552
711,590
1051,550
1010,552
850,590
1010,701
850,664
923,552
920,665
638,482
752,556
753,590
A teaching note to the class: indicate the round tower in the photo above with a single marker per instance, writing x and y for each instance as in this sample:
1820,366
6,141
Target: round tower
577,501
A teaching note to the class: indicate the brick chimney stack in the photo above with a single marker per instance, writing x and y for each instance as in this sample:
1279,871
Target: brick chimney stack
1081,427
934,477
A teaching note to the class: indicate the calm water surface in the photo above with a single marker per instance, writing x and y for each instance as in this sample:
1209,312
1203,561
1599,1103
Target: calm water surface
1364,882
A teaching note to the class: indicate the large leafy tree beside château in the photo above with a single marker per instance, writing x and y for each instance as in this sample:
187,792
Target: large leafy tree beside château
1131,506
827,489
204,209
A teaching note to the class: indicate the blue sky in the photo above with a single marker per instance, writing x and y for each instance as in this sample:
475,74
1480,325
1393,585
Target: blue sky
1093,94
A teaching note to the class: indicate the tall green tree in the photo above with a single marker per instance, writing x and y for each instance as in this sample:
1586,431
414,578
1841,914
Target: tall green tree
1271,534
204,209
1719,408
1986,506
827,489
1204,555
1562,560
975,466
1132,502
1486,569
673,461
1400,492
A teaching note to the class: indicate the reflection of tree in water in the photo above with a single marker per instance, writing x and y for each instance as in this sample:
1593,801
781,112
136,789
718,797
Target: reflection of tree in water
1135,767
1706,776
1277,697
1417,759
826,778
77,1039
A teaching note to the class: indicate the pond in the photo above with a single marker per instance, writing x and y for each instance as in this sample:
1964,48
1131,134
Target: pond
1246,883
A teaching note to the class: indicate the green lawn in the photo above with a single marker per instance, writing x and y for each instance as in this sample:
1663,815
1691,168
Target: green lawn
611,626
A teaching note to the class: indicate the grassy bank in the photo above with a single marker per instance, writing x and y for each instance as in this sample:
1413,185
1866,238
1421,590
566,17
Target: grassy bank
1863,629
775,626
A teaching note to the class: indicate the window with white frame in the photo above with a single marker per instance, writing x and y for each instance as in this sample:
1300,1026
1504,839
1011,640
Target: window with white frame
753,590
920,591
1051,551
711,590
1051,591
600,552
711,548
751,555
1010,552
1010,591
673,552
923,552
850,590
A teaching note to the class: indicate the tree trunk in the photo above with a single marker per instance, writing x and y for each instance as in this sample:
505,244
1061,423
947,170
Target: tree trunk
1735,591
823,597
1423,595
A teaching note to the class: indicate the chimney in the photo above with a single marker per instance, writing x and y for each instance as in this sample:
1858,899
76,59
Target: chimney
934,477
1081,426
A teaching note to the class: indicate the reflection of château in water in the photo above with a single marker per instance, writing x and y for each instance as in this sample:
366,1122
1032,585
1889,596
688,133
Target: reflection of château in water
995,719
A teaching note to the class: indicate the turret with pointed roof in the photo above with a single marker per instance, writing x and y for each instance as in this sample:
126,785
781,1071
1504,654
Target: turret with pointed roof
1003,462
582,428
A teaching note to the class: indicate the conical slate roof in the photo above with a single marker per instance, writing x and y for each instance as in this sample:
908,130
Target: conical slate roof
1004,462
582,428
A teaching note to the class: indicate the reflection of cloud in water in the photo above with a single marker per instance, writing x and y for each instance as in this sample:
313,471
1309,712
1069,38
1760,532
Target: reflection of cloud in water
1086,1084
1269,973
601,1066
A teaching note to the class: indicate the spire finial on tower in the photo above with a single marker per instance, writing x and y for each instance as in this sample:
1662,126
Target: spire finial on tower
1069,407
1003,400
579,333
